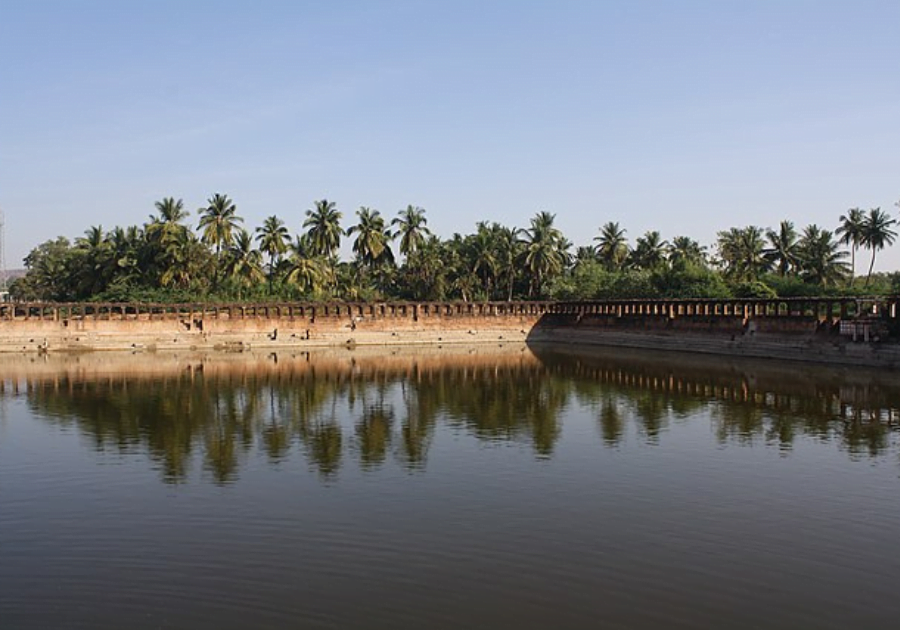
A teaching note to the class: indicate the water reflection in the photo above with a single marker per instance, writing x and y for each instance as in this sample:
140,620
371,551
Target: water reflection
377,408
747,401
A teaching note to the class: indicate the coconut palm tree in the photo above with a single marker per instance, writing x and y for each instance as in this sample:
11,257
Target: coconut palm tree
372,244
218,221
819,258
273,238
612,247
126,244
783,252
649,251
168,223
851,233
544,251
481,251
94,262
461,279
187,261
162,231
742,251
244,264
509,255
584,255
877,234
304,269
411,228
324,223
428,270
684,250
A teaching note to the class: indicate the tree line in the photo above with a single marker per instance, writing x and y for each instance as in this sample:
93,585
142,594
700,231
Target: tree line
166,259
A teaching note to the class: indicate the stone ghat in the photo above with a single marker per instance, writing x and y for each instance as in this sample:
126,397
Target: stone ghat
237,327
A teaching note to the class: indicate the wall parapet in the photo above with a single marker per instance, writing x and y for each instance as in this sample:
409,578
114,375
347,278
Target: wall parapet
825,309
124,311
842,307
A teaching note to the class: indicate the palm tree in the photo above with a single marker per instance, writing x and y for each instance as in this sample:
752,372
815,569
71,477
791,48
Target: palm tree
187,261
244,263
612,246
372,244
564,246
303,269
272,237
163,233
851,233
324,223
483,252
509,253
819,257
126,249
684,250
742,251
428,270
218,221
584,255
877,234
457,267
168,224
649,251
784,247
94,266
544,253
411,229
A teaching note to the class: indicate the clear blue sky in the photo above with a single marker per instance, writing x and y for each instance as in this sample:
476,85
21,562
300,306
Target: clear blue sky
687,117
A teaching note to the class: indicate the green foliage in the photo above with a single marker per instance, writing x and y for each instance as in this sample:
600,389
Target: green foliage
743,254
165,260
791,286
49,273
690,280
633,283
589,280
754,289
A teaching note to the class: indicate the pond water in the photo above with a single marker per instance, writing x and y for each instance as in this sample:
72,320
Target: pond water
482,487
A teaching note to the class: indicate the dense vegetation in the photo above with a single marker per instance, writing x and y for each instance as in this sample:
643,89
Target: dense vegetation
166,260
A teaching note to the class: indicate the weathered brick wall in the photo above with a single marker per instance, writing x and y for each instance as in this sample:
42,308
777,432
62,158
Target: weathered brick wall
122,328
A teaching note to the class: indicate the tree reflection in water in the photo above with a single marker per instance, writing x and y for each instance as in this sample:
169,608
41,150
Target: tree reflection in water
373,435
391,408
612,422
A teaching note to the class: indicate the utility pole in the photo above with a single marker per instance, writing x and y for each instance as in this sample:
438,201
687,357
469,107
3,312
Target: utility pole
4,277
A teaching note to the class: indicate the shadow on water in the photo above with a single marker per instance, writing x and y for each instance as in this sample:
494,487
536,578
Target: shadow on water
376,408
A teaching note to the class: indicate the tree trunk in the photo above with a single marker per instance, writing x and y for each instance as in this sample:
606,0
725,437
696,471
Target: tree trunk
871,265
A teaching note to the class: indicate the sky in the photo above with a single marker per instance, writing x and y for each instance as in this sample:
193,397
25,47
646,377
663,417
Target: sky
687,116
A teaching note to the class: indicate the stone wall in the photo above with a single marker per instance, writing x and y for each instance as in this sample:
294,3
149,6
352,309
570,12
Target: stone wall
51,328
798,338
807,329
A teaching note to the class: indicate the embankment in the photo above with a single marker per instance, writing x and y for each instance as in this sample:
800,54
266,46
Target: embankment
795,338
45,328
843,330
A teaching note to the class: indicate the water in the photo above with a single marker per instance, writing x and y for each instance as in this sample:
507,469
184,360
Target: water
469,487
